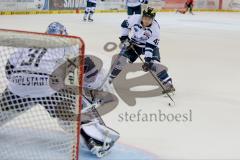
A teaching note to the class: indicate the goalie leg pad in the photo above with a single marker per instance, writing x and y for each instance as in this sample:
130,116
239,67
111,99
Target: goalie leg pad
100,132
98,138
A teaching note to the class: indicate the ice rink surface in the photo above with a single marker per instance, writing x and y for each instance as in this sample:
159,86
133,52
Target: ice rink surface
202,53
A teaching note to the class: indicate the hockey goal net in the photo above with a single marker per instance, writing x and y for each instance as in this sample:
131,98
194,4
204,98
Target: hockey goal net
40,102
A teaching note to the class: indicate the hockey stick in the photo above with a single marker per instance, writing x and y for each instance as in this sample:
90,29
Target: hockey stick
110,71
94,110
153,75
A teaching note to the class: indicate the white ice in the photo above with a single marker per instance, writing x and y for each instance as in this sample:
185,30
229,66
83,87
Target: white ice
202,53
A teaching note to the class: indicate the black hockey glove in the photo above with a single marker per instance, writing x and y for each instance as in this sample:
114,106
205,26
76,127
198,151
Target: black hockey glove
124,38
147,65
125,42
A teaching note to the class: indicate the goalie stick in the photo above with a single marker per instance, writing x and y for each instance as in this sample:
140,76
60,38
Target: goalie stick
110,71
93,109
89,102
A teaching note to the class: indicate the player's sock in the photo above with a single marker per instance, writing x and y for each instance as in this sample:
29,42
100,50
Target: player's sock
115,72
90,19
191,10
85,16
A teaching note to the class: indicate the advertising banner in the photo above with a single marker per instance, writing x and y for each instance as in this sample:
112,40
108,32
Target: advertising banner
158,4
111,5
231,4
165,4
23,5
198,4
173,4
65,4
206,4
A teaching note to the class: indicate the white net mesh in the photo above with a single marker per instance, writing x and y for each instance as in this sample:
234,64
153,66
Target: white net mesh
39,112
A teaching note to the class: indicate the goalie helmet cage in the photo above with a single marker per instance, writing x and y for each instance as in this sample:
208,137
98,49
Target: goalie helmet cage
31,128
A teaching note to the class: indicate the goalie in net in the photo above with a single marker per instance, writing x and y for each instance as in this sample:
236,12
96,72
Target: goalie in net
38,76
95,135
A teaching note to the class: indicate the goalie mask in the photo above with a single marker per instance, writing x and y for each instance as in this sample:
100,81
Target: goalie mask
56,28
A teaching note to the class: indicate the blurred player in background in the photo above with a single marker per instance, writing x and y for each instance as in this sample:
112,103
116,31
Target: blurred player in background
135,6
144,4
89,10
187,7
145,32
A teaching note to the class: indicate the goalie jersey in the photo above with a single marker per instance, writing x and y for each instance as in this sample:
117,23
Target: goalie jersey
147,38
28,71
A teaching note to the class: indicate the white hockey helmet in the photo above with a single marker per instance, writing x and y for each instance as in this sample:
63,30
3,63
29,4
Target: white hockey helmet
56,28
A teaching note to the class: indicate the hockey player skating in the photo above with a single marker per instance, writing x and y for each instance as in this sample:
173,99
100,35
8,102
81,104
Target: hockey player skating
135,6
145,40
188,6
89,10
